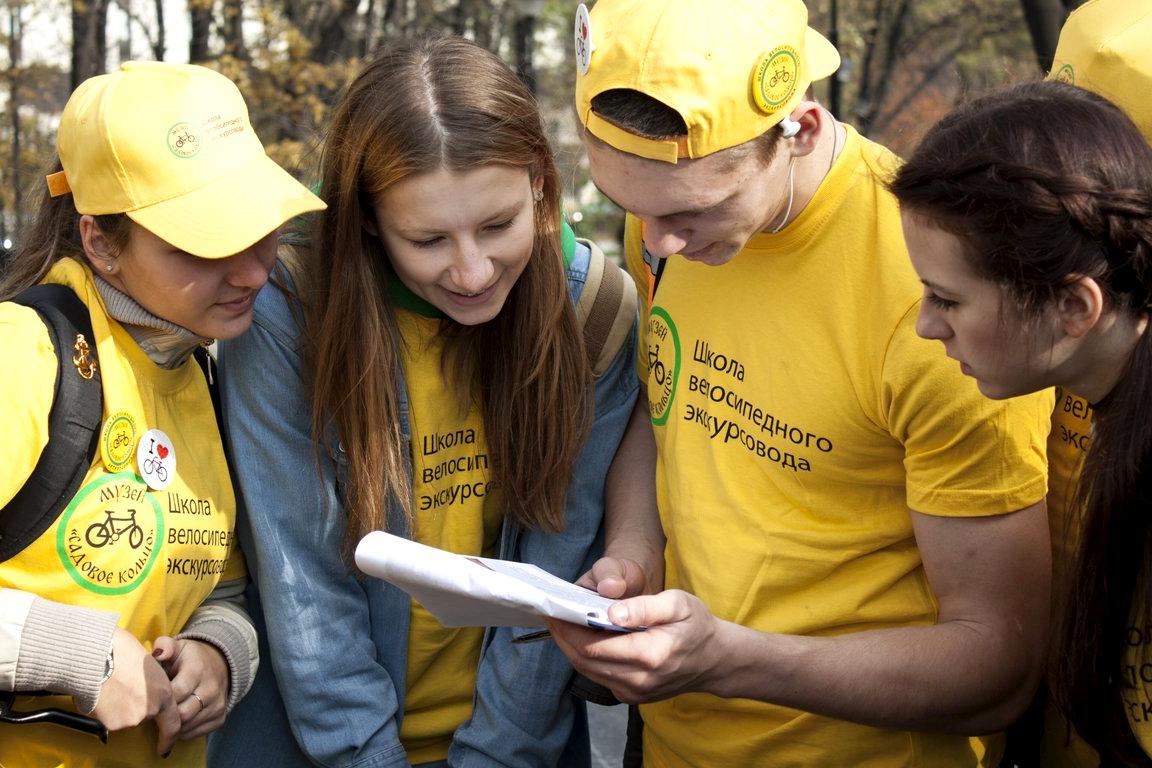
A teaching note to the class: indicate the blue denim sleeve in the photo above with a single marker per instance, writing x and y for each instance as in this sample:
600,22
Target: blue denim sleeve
523,714
339,698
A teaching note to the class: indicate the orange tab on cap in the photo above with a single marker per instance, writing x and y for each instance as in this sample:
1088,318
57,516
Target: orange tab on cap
57,184
669,150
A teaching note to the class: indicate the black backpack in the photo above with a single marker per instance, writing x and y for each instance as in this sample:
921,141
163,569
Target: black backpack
73,432
73,423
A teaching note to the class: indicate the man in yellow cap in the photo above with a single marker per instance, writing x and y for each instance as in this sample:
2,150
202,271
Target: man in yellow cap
852,538
1103,47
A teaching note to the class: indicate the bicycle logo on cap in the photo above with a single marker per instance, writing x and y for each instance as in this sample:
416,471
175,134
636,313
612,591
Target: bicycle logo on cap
183,141
781,75
775,78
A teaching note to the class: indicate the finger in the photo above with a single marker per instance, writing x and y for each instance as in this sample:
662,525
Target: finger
635,579
191,707
613,587
196,730
202,726
168,724
187,678
607,569
608,577
559,633
599,655
206,718
573,648
165,651
164,647
617,578
571,636
650,610
587,581
208,707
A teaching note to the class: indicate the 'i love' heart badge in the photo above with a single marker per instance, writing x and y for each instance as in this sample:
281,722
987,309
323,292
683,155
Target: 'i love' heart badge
156,459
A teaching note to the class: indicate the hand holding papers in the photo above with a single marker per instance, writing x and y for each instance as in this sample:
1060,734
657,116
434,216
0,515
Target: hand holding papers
463,591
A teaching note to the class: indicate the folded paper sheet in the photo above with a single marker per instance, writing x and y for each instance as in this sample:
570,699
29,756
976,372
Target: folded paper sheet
464,591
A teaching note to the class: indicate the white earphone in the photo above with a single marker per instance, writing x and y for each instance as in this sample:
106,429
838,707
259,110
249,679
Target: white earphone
789,127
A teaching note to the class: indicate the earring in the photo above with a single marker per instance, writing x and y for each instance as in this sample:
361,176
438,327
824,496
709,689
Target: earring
108,267
537,195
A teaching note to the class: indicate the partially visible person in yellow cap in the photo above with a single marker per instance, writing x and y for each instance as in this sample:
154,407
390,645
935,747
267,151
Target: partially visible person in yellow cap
161,220
851,539
1104,47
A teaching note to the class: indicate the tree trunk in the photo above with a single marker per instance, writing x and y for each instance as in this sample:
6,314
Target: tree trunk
89,39
234,29
159,48
15,38
1044,19
337,36
200,27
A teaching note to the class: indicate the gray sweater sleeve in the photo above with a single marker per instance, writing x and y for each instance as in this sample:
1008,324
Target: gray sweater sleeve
223,622
57,647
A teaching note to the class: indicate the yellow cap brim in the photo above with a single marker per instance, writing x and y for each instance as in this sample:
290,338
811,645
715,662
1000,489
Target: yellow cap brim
230,214
823,58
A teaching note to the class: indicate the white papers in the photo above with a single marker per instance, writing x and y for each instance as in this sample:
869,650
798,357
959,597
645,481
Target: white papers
462,591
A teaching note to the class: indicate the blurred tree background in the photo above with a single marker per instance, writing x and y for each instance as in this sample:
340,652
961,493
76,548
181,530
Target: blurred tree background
906,62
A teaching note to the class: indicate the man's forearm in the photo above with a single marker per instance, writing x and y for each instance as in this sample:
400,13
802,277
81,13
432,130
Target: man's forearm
957,677
632,528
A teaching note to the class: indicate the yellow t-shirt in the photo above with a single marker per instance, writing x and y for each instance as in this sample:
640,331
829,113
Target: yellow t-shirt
456,508
798,418
1136,672
1067,445
152,556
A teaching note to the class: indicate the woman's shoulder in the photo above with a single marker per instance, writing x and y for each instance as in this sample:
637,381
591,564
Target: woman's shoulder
25,343
277,309
577,268
27,389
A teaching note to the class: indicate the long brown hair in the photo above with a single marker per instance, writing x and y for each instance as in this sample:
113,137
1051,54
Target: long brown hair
429,104
53,235
1040,182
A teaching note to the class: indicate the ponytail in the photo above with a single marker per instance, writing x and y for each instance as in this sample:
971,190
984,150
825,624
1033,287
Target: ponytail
53,235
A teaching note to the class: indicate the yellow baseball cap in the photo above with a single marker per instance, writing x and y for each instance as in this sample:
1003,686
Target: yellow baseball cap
731,68
171,146
1103,48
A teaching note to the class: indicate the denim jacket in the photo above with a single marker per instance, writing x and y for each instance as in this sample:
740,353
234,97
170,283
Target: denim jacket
337,645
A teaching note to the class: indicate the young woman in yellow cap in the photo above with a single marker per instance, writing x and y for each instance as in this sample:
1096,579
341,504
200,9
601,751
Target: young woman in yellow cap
123,598
1028,216
426,376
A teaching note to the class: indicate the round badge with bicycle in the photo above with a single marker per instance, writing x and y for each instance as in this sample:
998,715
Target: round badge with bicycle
156,459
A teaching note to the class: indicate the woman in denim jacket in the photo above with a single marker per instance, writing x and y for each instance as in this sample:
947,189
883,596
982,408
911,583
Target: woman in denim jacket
420,370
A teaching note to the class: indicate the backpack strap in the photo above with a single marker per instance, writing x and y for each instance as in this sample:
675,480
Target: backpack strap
209,368
606,309
655,272
73,423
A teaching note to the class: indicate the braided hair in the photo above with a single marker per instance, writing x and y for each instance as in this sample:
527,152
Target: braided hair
1042,182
